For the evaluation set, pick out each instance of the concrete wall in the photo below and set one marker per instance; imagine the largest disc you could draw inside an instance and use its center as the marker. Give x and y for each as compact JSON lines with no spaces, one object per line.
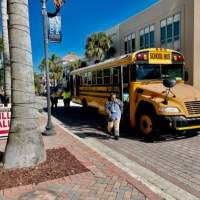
{"x":113,"y":33}
{"x":196,"y":49}
{"x":190,"y":30}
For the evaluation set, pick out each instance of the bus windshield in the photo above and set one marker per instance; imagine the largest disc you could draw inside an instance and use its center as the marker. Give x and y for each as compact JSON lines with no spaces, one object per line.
{"x":158,"y":72}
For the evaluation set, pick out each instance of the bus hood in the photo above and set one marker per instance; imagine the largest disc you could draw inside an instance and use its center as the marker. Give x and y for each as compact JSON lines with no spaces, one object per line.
{"x":183,"y":92}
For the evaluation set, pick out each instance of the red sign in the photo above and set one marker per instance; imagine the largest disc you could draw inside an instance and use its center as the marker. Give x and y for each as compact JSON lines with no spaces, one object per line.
{"x":5,"y":117}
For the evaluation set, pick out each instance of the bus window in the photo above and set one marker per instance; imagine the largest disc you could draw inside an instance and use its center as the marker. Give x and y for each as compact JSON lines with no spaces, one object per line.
{"x":107,"y":77}
{"x":94,"y":78}
{"x":133,"y":73}
{"x":85,"y":79}
{"x":77,"y":84}
{"x":99,"y":77}
{"x":126,"y":83}
{"x":115,"y":75}
{"x":81,"y":80}
{"x":89,"y":78}
{"x":172,"y":71}
{"x":126,"y":74}
{"x":148,"y":72}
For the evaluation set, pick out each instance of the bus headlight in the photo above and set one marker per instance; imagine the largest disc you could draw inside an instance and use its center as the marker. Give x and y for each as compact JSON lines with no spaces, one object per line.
{"x":170,"y":110}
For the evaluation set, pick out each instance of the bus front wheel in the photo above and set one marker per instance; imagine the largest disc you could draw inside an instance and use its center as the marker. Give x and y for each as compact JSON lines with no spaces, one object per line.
{"x":146,"y":124}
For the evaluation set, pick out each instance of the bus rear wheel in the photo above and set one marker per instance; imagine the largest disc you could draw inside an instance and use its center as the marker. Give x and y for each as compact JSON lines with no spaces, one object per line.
{"x":146,"y":125}
{"x":84,"y":104}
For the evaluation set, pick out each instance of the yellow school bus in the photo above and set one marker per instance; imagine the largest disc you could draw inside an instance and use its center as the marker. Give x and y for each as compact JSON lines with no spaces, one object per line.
{"x":150,"y":82}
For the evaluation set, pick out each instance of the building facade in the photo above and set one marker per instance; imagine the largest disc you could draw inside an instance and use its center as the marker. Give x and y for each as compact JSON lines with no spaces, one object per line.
{"x":169,"y":24}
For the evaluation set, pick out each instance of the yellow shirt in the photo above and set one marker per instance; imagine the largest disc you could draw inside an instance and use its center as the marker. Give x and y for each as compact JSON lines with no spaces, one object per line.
{"x":66,"y":95}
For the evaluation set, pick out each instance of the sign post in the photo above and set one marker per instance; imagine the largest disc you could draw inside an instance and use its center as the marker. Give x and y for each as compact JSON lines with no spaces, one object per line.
{"x":49,"y":127}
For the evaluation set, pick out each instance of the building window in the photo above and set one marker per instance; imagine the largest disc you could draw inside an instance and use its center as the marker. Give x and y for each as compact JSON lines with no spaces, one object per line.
{"x":147,"y":37}
{"x":126,"y":45}
{"x":163,"y":32}
{"x":176,"y":27}
{"x":129,"y":43}
{"x":169,"y":29}
{"x":142,"y":39}
{"x":152,"y":36}
{"x":133,"y":42}
{"x":170,"y":32}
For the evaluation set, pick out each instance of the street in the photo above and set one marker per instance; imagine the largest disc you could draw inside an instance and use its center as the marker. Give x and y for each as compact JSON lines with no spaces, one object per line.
{"x":176,"y":159}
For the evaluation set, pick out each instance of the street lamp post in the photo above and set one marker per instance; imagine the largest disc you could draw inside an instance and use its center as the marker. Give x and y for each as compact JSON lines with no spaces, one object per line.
{"x":49,"y":127}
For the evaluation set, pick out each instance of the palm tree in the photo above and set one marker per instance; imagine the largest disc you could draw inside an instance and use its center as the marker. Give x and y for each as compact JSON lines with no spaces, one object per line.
{"x":42,"y":65}
{"x":25,"y":146}
{"x":6,"y":51}
{"x":37,"y":81}
{"x":97,"y":46}
{"x":77,"y":64}
{"x":55,"y":69}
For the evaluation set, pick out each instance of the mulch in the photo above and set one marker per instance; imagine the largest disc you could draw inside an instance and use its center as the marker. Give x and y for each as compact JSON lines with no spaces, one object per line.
{"x":59,"y":163}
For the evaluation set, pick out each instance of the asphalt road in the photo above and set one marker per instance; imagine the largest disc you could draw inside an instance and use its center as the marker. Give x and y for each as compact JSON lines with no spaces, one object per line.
{"x":175,"y":158}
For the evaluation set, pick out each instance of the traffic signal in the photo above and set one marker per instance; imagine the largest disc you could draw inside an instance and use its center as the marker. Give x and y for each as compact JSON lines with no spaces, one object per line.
{"x":58,"y":3}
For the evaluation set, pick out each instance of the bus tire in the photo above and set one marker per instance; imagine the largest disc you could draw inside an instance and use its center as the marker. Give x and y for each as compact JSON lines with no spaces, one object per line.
{"x":146,"y":123}
{"x":84,"y":104}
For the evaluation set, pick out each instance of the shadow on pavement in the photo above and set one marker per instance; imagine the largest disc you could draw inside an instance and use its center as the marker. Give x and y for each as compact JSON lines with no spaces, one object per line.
{"x":88,"y":123}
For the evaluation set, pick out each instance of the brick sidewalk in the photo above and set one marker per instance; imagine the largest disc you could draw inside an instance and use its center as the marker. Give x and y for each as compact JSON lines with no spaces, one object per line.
{"x":104,"y":181}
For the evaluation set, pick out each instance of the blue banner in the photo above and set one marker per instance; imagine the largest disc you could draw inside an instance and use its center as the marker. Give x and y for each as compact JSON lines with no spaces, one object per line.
{"x":54,"y":29}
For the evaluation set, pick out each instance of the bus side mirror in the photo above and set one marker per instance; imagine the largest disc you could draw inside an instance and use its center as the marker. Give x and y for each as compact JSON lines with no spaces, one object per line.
{"x":186,"y":76}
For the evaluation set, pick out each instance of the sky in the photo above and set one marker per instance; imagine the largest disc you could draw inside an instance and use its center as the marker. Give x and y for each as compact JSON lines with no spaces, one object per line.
{"x":79,"y":19}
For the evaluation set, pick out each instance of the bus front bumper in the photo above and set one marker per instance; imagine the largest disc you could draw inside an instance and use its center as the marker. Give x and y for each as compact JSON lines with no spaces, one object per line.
{"x":180,"y":123}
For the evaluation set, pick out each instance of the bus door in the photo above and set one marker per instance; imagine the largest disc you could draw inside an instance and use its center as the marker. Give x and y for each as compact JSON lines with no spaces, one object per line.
{"x":125,"y":78}
{"x":116,"y":81}
{"x":74,"y":85}
{"x":120,"y":79}
{"x":78,"y":83}
{"x":126,"y":84}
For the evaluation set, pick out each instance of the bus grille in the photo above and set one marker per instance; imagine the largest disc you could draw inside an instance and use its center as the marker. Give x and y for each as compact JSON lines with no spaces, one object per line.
{"x":193,"y":107}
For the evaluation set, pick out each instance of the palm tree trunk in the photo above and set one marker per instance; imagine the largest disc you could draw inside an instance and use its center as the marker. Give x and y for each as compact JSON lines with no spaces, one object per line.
{"x":25,"y":146}
{"x":6,"y":52}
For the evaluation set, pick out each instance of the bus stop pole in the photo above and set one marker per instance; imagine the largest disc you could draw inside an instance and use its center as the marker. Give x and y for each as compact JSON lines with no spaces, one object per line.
{"x":49,"y":127}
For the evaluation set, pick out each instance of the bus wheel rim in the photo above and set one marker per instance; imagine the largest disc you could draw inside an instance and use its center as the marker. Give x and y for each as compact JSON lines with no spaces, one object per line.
{"x":146,"y":124}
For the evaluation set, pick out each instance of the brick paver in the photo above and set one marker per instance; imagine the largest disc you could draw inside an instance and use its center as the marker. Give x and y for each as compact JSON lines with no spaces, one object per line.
{"x":175,"y":159}
{"x":103,"y":181}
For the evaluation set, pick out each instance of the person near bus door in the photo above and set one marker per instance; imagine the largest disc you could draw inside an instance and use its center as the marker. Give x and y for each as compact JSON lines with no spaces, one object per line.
{"x":66,"y":97}
{"x":54,"y":99}
{"x":114,"y":109}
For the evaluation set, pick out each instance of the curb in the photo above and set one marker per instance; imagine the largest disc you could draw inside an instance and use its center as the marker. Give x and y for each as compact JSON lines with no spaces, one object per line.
{"x":136,"y":183}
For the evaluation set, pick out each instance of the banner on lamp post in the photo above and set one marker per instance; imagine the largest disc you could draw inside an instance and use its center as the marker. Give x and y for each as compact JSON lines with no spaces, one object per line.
{"x":54,"y":29}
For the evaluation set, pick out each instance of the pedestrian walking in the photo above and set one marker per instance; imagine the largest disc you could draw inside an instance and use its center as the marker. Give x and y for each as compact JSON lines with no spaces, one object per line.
{"x":113,"y":108}
{"x":66,"y":97}
{"x":54,"y":99}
